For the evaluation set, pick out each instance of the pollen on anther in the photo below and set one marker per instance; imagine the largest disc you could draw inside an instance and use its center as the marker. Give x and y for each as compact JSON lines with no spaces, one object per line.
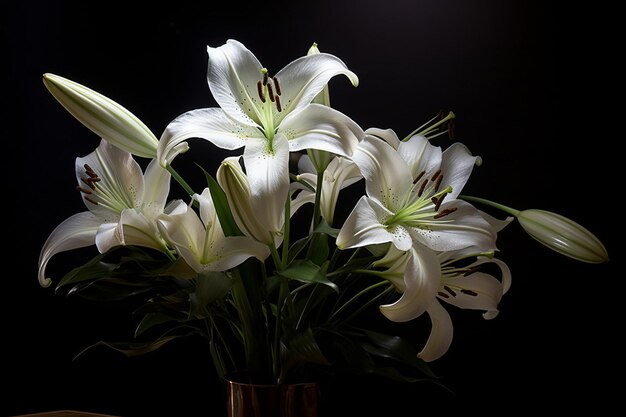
{"x":469,"y":292}
{"x":91,"y":200}
{"x":470,"y":271}
{"x":438,"y":183}
{"x":443,"y":294}
{"x":88,"y":182}
{"x":276,"y":85}
{"x":444,"y":212}
{"x":450,"y":290}
{"x":83,"y":190}
{"x":422,"y":187}
{"x":435,"y":175}
{"x":419,"y":177}
{"x":270,"y":92}
{"x":259,"y":88}
{"x":278,"y":104}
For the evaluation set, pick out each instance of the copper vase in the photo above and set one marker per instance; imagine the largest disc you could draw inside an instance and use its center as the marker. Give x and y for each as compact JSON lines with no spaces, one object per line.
{"x":245,"y":399}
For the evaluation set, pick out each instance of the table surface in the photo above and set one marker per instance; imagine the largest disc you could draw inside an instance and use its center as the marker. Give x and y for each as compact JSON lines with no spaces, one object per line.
{"x":65,"y":413}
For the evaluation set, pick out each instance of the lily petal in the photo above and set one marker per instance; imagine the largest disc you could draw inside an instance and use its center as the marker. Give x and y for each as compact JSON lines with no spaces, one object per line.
{"x":387,"y":175}
{"x":156,"y":189}
{"x":211,"y":124}
{"x":118,"y":185}
{"x":457,"y":164}
{"x":141,"y":231}
{"x":320,"y":127}
{"x":420,"y":155}
{"x":184,"y":230}
{"x":462,"y":228}
{"x":421,"y":280}
{"x":75,"y":232}
{"x":268,"y":176}
{"x":232,"y":251}
{"x":486,"y":292}
{"x":441,"y":333}
{"x":363,"y":227}
{"x":388,"y":135}
{"x":301,"y":80}
{"x":232,"y":76}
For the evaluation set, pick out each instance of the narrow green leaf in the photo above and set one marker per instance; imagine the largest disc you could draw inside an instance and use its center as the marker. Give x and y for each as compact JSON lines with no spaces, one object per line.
{"x":306,"y":271}
{"x":222,"y":208}
{"x":149,"y":321}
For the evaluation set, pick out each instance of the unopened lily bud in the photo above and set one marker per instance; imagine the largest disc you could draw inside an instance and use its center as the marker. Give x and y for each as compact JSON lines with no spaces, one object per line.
{"x":324,"y":96}
{"x":233,"y":180}
{"x":563,"y":235}
{"x":103,"y":116}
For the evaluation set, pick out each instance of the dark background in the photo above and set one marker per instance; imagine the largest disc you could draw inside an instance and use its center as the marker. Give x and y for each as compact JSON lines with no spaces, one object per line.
{"x":527,"y":81}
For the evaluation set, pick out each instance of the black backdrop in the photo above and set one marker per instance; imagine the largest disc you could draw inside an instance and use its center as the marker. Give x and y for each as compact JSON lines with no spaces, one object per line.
{"x":526,"y":80}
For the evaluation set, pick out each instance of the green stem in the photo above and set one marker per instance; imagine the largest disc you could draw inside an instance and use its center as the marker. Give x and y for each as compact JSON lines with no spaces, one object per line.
{"x":286,"y":231}
{"x":490,"y":203}
{"x":356,"y":297}
{"x":318,"y":198}
{"x":366,"y":305}
{"x":180,"y":180}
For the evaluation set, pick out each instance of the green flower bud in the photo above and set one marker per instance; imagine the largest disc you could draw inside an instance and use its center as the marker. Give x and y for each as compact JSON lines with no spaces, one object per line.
{"x":103,"y":116}
{"x":563,"y":235}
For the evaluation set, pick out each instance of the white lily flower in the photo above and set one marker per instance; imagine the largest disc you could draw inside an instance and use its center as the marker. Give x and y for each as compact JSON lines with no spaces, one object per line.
{"x":103,"y":116}
{"x":200,"y":240}
{"x":265,"y":114}
{"x":339,"y":174}
{"x":123,"y":204}
{"x":466,"y":287}
{"x":412,"y":197}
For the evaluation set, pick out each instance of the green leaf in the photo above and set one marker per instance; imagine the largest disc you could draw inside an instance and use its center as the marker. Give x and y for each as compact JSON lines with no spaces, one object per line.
{"x":298,"y":349}
{"x":395,"y":348}
{"x":318,"y":249}
{"x":325,"y":229}
{"x":93,"y":269}
{"x":306,"y":271}
{"x":359,"y":361}
{"x":132,"y":349}
{"x":297,"y":247}
{"x":150,"y":320}
{"x":210,"y":286}
{"x":222,"y":208}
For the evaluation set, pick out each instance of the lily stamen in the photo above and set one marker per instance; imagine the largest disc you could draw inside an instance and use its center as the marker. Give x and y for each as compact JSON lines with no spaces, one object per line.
{"x":470,"y":271}
{"x":270,"y":92}
{"x":419,"y":177}
{"x":83,"y":190}
{"x":444,"y":212}
{"x":469,"y":292}
{"x":278,"y":107}
{"x":88,"y":182}
{"x":276,"y":85}
{"x":450,"y":290}
{"x":422,"y":187}
{"x":435,"y":176}
{"x":438,"y":183}
{"x":91,"y":200}
{"x":259,"y":88}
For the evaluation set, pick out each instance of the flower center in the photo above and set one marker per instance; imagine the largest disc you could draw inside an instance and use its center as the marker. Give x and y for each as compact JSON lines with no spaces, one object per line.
{"x":446,"y":289}
{"x":422,"y":203}
{"x":98,"y":193}
{"x":269,"y":93}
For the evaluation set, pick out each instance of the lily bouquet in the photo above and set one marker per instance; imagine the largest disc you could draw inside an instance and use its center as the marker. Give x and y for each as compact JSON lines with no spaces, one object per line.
{"x":260,"y":261}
